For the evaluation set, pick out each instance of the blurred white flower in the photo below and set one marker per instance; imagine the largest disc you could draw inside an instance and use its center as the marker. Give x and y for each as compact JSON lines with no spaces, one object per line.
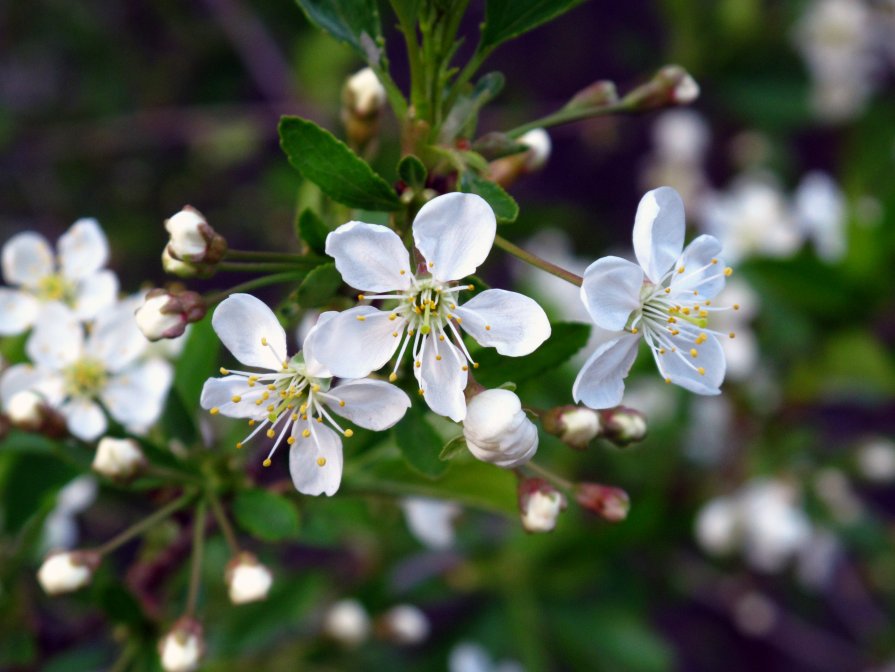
{"x":741,"y":353}
{"x":291,"y":396}
{"x":431,"y":520}
{"x":717,"y":526}
{"x":73,"y":371}
{"x":471,"y":657}
{"x":347,"y":622}
{"x":454,"y":234}
{"x":680,"y":141}
{"x":182,"y":648}
{"x":406,"y":625}
{"x":817,"y":559}
{"x":834,"y":490}
{"x":247,"y":579}
{"x":498,"y":431}
{"x":876,"y":460}
{"x":119,"y":459}
{"x":820,"y":209}
{"x":61,"y":526}
{"x":73,"y":277}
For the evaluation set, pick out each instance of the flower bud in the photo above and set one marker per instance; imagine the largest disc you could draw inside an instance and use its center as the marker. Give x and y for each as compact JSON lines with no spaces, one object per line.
{"x":247,"y":579}
{"x":192,"y":239}
{"x":610,"y":503}
{"x":623,"y":426}
{"x":539,"y":505}
{"x":118,"y":459}
{"x":180,"y":268}
{"x":599,"y":94}
{"x":405,"y":624}
{"x":505,"y":171}
{"x":347,"y":622}
{"x":539,"y":146}
{"x":25,"y":410}
{"x":363,"y":98}
{"x":166,"y":315}
{"x":497,"y":429}
{"x":672,"y":85}
{"x":65,"y":572}
{"x":576,"y":426}
{"x":183,"y":647}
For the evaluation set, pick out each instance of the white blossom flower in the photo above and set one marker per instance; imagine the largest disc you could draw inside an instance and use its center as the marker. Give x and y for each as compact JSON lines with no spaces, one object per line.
{"x":820,"y":208}
{"x":665,"y":301}
{"x":74,"y":371}
{"x":498,"y":431}
{"x":73,"y":276}
{"x":406,"y":624}
{"x":292,"y":398}
{"x":247,"y":579}
{"x":431,"y":520}
{"x":67,"y":571}
{"x":182,"y":648}
{"x":60,"y":529}
{"x":118,"y":458}
{"x":347,"y":622}
{"x":454,"y":234}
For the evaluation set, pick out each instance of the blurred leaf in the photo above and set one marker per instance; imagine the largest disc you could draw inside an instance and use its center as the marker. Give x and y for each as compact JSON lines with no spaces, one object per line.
{"x":29,"y":487}
{"x":331,"y":165}
{"x":27,"y":442}
{"x":413,"y":172}
{"x":497,"y":145}
{"x":355,"y":22}
{"x":505,"y":207}
{"x":419,"y":443}
{"x":89,"y":657}
{"x":453,"y":448}
{"x":19,"y":648}
{"x":319,"y":286}
{"x":506,"y":19}
{"x":197,"y":362}
{"x":313,"y":231}
{"x":567,"y":338}
{"x":266,"y":515}
{"x":463,"y":118}
{"x":119,"y":604}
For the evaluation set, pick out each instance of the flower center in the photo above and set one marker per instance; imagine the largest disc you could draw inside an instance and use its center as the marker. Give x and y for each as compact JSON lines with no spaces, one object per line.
{"x":54,"y":287}
{"x":85,"y":378}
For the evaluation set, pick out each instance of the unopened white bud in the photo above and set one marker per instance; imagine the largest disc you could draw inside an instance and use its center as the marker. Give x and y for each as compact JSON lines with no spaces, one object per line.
{"x":579,"y":426}
{"x":347,"y":622}
{"x":182,"y":648}
{"x":26,"y":410}
{"x":247,"y":579}
{"x":189,"y":234}
{"x":498,"y":431}
{"x":66,"y":572}
{"x":686,"y":91}
{"x":120,"y":459}
{"x":153,"y":322}
{"x":406,"y":624}
{"x":539,"y":147}
{"x":364,"y":93}
{"x":541,"y":509}
{"x":177,"y":267}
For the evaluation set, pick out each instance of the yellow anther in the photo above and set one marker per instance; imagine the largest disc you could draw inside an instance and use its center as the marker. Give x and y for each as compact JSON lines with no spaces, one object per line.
{"x":736,"y":306}
{"x":675,"y":332}
{"x":437,"y":358}
{"x":271,"y":387}
{"x":290,"y":440}
{"x":271,"y":433}
{"x":459,"y":320}
{"x":732,"y":335}
{"x":422,"y":391}
{"x":251,"y":423}
{"x":672,"y":320}
{"x":475,"y":365}
{"x":293,"y":417}
{"x":393,"y":317}
{"x":681,"y":269}
{"x":661,"y":351}
{"x":215,"y":410}
{"x":668,"y":290}
{"x":694,"y":352}
{"x":431,"y":264}
{"x":321,"y":461}
{"x":635,"y":330}
{"x":728,"y":271}
{"x":714,"y":261}
{"x":341,"y":403}
{"x":701,"y":371}
{"x":304,"y":417}
{"x":703,"y":313}
{"x":685,"y":310}
{"x":487,"y":327}
{"x":263,"y":340}
{"x":349,"y":433}
{"x":224,"y":372}
{"x":302,"y":408}
{"x":239,"y":444}
{"x":418,"y":364}
{"x":695,"y":292}
{"x":708,"y":303}
{"x":265,"y":396}
{"x":402,"y":272}
{"x":235,"y":398}
{"x":253,"y":380}
{"x":471,"y":288}
{"x":668,"y":380}
{"x":361,"y":318}
{"x":395,"y":334}
{"x":393,"y":377}
{"x":315,"y":388}
{"x":360,"y":297}
{"x":464,"y":368}
{"x":270,"y":408}
{"x":701,"y":339}
{"x":266,"y":462}
{"x":441,"y":337}
{"x":319,"y":418}
{"x":306,"y":433}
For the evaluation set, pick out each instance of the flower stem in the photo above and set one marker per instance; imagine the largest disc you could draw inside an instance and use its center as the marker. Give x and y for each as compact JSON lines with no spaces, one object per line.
{"x":550,"y":476}
{"x":565,"y":116}
{"x":196,"y":566}
{"x":260,"y":266}
{"x":251,"y":255}
{"x":146,"y":523}
{"x":223,"y":523}
{"x":274,"y":279}
{"x":535,"y":260}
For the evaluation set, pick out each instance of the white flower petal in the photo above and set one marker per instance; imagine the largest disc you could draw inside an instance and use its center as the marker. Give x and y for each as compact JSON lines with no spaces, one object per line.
{"x":455,"y":233}
{"x":315,"y":462}
{"x":443,"y":380}
{"x":85,"y":419}
{"x":313,"y":367}
{"x":83,"y":249}
{"x":94,"y":293}
{"x":26,"y":259}
{"x":370,"y":257}
{"x":611,"y":291}
{"x":700,"y":274}
{"x":683,"y":369}
{"x":17,"y":311}
{"x":512,"y":323}
{"x":115,"y":339}
{"x":352,"y":348}
{"x":243,"y":323}
{"x":600,"y":383}
{"x":136,"y":397}
{"x":57,"y":339}
{"x":22,"y":377}
{"x":219,"y":393}
{"x":659,"y":231}
{"x":372,"y":404}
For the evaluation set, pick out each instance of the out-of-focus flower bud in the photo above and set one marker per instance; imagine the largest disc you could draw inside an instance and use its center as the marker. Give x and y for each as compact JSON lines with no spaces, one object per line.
{"x":576,"y":426}
{"x":192,"y":238}
{"x":118,"y":459}
{"x":672,"y":85}
{"x":505,"y":171}
{"x":183,"y":647}
{"x":67,"y":571}
{"x":166,"y":315}
{"x":247,"y":579}
{"x":405,"y":624}
{"x":347,"y":622}
{"x":497,"y":429}
{"x":599,"y":94}
{"x":539,"y":505}
{"x":718,"y":526}
{"x":26,"y":410}
{"x":363,"y":98}
{"x":876,"y":460}
{"x":623,"y":426}
{"x":610,"y":503}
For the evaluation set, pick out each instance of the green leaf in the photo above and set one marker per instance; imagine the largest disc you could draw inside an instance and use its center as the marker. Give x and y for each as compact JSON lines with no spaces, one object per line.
{"x":567,"y":339}
{"x":354,"y":22}
{"x":453,"y":448}
{"x":197,"y":362}
{"x":313,"y":230}
{"x":506,"y":19}
{"x":505,"y":207}
{"x":413,"y":172}
{"x":319,"y":287}
{"x":266,"y":515}
{"x":331,"y":165}
{"x":419,"y":443}
{"x":463,"y":118}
